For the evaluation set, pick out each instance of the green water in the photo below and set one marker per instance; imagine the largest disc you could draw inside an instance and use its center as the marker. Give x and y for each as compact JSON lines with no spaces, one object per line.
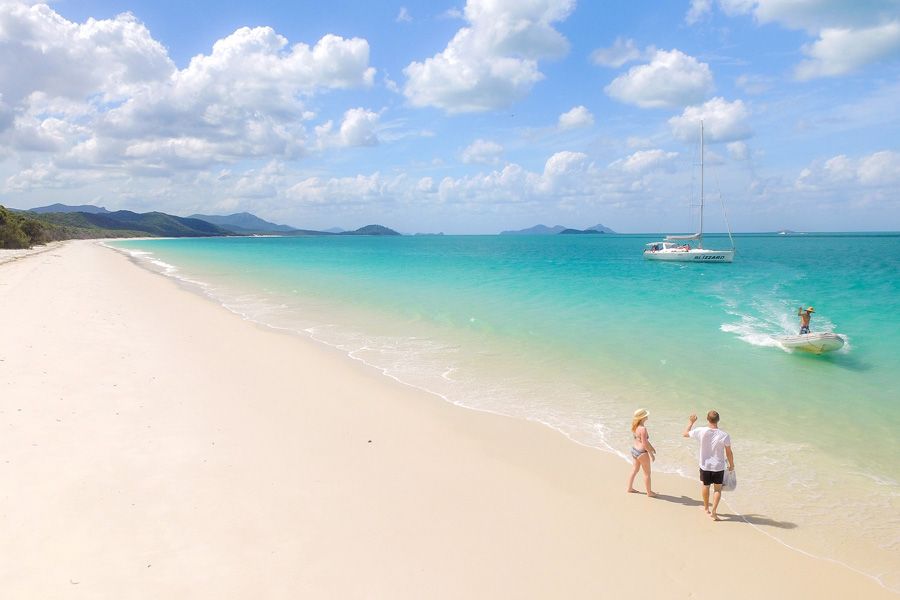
{"x":579,"y":331}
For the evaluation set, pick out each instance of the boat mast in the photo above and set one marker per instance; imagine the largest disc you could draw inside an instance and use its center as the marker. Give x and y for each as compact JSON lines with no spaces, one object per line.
{"x":700,"y":244}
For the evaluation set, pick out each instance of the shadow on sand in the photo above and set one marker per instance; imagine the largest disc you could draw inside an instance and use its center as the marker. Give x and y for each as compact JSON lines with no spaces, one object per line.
{"x":760,"y":520}
{"x":683,"y":500}
{"x":753,"y":519}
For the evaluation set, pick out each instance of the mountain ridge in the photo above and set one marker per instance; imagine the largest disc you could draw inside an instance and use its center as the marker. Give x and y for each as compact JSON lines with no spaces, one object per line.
{"x":244,"y":222}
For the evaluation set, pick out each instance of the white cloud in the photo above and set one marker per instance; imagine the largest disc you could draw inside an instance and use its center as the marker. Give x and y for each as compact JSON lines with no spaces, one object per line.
{"x":492,"y":62}
{"x":698,"y":10}
{"x":260,"y":183}
{"x":622,"y":51}
{"x":842,"y":51}
{"x":359,"y":189}
{"x":880,"y":168}
{"x":814,"y":15}
{"x":250,"y":75}
{"x":578,"y":116}
{"x":567,"y":174}
{"x":46,"y":175}
{"x":723,"y":121}
{"x":426,"y":185}
{"x":877,"y":170}
{"x":850,"y":35}
{"x":644,"y":160}
{"x":403,"y":16}
{"x":737,"y":7}
{"x":42,"y":52}
{"x":566,"y":177}
{"x":359,"y":127}
{"x":671,"y":79}
{"x":738,"y":150}
{"x":482,"y":151}
{"x":840,"y":168}
{"x":104,"y":95}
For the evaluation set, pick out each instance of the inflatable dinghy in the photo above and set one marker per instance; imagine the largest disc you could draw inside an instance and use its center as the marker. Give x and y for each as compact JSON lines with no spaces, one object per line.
{"x":817,"y":343}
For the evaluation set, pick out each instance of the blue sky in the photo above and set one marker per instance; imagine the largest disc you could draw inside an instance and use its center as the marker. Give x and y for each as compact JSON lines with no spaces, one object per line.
{"x":464,"y":118}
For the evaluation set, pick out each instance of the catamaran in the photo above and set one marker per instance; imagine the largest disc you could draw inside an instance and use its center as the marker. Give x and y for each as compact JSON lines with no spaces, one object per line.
{"x":678,"y":248}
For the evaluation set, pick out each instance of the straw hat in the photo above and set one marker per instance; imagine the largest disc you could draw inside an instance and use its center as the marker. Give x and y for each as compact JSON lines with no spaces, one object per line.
{"x":810,"y":309}
{"x":641,"y":413}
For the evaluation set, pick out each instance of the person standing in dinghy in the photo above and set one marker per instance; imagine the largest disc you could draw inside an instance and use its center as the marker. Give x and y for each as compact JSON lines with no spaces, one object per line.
{"x":804,"y":319}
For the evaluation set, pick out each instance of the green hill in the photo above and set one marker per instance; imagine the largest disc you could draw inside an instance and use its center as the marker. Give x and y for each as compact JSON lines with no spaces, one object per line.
{"x":152,"y":223}
{"x":21,"y":229}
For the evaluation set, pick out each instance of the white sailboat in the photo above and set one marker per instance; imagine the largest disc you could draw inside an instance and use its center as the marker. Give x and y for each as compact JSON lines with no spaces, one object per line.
{"x":677,"y":248}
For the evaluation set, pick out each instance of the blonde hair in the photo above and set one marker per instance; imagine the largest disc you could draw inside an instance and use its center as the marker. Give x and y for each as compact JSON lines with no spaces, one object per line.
{"x":640,"y":415}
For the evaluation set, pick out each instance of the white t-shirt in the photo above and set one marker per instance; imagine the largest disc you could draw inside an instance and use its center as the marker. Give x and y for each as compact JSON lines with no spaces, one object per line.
{"x":712,"y":447}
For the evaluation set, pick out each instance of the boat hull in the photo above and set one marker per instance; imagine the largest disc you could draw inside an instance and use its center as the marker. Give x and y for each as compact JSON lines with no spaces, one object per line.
{"x":694,"y":255}
{"x":816,"y":343}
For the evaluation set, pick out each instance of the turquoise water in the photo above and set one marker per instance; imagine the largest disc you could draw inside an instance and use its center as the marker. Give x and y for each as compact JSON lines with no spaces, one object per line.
{"x":579,"y":331}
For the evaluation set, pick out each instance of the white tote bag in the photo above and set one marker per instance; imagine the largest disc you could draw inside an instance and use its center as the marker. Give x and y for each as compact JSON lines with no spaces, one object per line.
{"x":729,"y":484}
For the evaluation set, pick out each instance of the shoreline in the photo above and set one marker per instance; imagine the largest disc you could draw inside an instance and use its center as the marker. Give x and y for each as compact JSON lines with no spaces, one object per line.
{"x":525,"y":494}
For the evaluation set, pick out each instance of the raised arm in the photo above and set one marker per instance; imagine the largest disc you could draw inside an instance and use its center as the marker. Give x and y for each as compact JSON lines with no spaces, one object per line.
{"x":687,"y":430}
{"x":730,"y":456}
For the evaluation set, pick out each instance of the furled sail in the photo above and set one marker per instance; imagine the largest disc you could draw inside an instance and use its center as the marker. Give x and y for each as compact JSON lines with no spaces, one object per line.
{"x":673,"y":238}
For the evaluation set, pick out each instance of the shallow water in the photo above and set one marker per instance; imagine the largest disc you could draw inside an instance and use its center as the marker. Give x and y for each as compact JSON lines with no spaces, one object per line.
{"x":579,"y":331}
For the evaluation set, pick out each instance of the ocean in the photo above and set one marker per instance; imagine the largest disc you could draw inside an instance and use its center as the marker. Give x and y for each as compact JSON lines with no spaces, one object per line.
{"x":577,"y":332}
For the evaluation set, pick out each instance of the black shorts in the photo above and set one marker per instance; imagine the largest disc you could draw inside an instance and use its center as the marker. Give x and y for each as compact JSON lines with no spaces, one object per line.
{"x":708,"y":477}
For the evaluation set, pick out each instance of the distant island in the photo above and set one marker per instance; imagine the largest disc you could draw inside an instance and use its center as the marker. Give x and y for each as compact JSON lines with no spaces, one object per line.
{"x":557,"y":229}
{"x":579,"y":231}
{"x":25,"y":228}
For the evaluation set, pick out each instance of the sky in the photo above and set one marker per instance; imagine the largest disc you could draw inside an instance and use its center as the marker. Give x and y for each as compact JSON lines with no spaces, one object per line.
{"x":469,"y":117}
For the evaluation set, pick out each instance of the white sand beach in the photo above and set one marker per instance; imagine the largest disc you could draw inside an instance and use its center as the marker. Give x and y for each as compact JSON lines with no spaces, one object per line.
{"x":155,"y":445}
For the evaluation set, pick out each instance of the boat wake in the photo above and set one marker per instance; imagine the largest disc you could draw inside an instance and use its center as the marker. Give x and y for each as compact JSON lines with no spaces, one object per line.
{"x":766,"y":323}
{"x":747,"y":332}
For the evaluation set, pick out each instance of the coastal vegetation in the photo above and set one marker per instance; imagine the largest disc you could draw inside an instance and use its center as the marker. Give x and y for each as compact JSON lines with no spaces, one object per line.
{"x":20,"y":229}
{"x":24,"y":229}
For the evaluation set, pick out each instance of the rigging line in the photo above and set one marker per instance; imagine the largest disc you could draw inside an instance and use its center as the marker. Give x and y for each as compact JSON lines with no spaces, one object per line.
{"x":724,"y":212}
{"x":693,"y":201}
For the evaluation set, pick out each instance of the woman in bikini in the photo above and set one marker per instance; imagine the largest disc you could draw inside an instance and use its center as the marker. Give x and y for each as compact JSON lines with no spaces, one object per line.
{"x":642,"y":451}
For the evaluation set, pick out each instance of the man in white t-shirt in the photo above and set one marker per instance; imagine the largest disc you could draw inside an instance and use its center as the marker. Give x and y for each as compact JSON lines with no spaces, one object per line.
{"x":715,"y":446}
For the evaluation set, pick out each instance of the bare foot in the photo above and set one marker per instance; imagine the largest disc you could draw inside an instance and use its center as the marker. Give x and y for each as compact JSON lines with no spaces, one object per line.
{"x":706,"y":509}
{"x":632,"y":491}
{"x":652,"y":494}
{"x":715,"y":517}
